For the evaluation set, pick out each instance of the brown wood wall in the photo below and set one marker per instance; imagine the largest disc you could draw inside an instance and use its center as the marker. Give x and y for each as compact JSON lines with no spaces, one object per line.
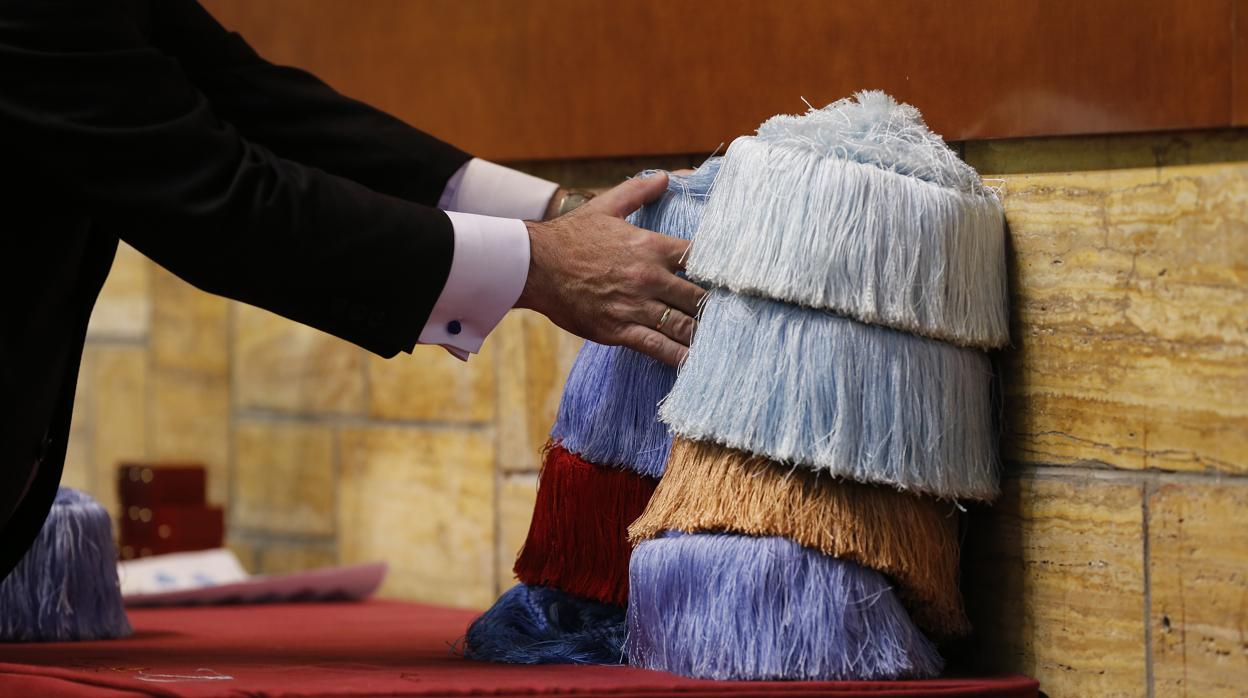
{"x":547,"y":79}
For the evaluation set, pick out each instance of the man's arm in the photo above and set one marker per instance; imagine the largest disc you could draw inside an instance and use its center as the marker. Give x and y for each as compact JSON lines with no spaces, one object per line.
{"x":296,"y":115}
{"x":90,"y":107}
{"x":299,"y":117}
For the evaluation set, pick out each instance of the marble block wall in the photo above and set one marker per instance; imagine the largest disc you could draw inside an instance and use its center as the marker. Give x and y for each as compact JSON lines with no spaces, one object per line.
{"x":1115,"y":564}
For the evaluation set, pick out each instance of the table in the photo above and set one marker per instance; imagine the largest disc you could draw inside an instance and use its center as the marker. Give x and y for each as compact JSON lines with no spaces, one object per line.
{"x":356,"y":649}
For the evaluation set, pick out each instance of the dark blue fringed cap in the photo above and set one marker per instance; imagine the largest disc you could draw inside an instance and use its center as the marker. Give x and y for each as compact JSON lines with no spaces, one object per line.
{"x":542,"y":625}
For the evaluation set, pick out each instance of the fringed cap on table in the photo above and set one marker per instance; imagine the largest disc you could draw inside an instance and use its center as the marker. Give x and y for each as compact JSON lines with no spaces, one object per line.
{"x":860,"y":209}
{"x":913,"y":540}
{"x":815,"y":390}
{"x":66,"y":586}
{"x":541,"y":625}
{"x":721,"y":606}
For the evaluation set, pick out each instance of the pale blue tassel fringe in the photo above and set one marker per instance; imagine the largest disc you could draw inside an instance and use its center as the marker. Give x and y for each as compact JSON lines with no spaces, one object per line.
{"x":66,"y":587}
{"x":820,"y":391}
{"x":608,"y":414}
{"x":860,"y":209}
{"x":719,"y":606}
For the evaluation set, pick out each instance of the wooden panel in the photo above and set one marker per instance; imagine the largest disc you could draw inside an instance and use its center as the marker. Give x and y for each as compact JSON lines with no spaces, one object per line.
{"x":1130,"y":339}
{"x":574,"y":78}
{"x":1054,"y":585}
{"x":1239,"y":71}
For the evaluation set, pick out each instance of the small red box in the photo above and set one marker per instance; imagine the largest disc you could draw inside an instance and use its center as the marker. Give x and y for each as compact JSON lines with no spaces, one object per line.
{"x":160,"y":485}
{"x":171,"y":529}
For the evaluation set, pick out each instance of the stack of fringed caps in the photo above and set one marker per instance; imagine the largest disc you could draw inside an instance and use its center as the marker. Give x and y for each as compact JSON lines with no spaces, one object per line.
{"x":606,"y":452}
{"x":835,"y":403}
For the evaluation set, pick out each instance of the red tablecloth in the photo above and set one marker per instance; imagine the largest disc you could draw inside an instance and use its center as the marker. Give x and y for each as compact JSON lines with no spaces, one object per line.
{"x":375,"y":648}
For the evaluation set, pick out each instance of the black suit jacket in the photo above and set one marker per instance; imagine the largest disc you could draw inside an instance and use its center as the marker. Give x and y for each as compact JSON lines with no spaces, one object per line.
{"x":148,"y":122}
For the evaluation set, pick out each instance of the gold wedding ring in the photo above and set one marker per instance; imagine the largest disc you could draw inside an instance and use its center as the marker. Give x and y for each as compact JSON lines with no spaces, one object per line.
{"x":663,"y":320}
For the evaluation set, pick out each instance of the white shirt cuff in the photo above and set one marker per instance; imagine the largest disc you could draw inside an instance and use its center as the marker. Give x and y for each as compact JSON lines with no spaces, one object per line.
{"x":488,"y":271}
{"x":487,"y":189}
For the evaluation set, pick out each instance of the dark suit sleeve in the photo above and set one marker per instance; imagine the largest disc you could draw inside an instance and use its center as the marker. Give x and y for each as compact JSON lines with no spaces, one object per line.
{"x":296,"y":115}
{"x":88,"y":106}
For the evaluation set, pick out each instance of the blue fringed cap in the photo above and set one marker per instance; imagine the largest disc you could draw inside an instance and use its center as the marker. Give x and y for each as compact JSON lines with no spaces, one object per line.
{"x":808,"y":388}
{"x":66,"y":587}
{"x":720,"y":606}
{"x":860,"y":209}
{"x":609,"y":411}
{"x":542,"y":625}
{"x":679,"y":210}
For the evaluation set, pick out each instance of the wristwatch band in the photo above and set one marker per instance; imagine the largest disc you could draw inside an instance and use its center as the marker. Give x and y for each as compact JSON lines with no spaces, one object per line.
{"x":572,"y":198}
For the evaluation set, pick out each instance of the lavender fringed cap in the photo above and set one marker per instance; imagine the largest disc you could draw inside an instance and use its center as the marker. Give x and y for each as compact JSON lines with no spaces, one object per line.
{"x":66,"y":586}
{"x":608,"y":414}
{"x":718,"y":606}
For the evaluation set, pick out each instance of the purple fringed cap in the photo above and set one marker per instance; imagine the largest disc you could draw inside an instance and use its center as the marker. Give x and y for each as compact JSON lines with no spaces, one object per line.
{"x":66,"y":587}
{"x":609,"y":410}
{"x":719,"y":606}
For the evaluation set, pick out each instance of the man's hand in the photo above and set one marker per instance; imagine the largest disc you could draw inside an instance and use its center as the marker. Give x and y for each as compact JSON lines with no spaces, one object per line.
{"x":610,"y":282}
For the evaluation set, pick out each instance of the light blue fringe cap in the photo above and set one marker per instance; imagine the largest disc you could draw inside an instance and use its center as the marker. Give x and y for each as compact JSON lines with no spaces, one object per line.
{"x":608,"y":414}
{"x":719,"y":606}
{"x":816,"y":390}
{"x":543,"y":625}
{"x":66,"y":587}
{"x":858,"y":208}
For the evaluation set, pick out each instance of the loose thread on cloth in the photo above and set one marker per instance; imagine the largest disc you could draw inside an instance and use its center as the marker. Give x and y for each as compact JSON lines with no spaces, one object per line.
{"x":720,"y":606}
{"x":541,"y":625}
{"x":860,"y":209}
{"x":578,"y":538}
{"x":66,"y":586}
{"x":912,"y":539}
{"x":828,"y":393}
{"x":609,"y":411}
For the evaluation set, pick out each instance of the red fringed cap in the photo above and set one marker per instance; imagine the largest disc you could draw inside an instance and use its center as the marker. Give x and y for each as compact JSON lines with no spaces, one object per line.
{"x":578,"y":540}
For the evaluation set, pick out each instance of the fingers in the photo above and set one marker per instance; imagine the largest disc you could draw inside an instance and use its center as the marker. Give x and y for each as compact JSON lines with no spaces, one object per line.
{"x":674,"y":251}
{"x":631,"y":195}
{"x":681,"y":294}
{"x":678,"y":325}
{"x":654,"y":344}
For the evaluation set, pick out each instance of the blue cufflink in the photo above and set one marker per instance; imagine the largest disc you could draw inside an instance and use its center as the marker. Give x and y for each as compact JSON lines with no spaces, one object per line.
{"x":454,"y":327}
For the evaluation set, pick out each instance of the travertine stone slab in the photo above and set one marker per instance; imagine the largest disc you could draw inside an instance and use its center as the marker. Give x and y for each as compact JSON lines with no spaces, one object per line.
{"x":431,"y":385}
{"x":1198,"y":549}
{"x":118,"y":415}
{"x":516,"y":498}
{"x":190,"y":328}
{"x":285,"y":477}
{"x":124,"y":308}
{"x":535,"y":357}
{"x":423,"y":500}
{"x":1130,"y":290}
{"x":283,"y":366}
{"x":189,"y":421}
{"x":1054,"y":584}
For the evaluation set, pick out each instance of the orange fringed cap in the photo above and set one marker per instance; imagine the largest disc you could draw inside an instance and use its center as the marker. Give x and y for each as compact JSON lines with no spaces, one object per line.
{"x":913,"y":539}
{"x":578,"y":539}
